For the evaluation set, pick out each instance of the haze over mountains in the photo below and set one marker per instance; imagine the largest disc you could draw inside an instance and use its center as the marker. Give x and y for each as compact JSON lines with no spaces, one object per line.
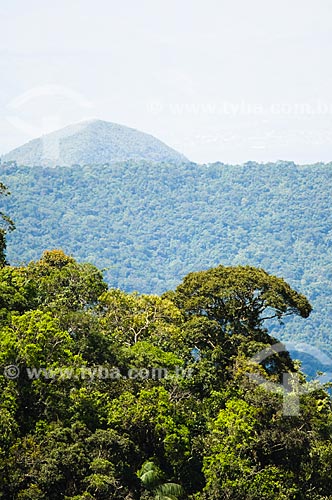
{"x":92,"y":142}
{"x":140,"y":210}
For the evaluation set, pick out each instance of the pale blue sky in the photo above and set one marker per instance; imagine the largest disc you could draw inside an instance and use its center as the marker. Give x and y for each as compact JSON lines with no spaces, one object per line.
{"x":233,"y":80}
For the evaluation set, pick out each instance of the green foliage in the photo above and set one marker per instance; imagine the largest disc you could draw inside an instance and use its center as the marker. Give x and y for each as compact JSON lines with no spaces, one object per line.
{"x":17,"y":292}
{"x":64,"y":284}
{"x":131,"y":318}
{"x":6,"y":225}
{"x":69,"y":432}
{"x":238,"y":297}
{"x":152,"y":479}
{"x":151,"y":225}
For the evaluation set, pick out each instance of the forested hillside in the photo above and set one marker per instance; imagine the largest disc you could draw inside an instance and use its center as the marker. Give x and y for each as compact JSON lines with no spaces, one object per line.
{"x":149,"y":224}
{"x":93,"y":141}
{"x":111,"y":395}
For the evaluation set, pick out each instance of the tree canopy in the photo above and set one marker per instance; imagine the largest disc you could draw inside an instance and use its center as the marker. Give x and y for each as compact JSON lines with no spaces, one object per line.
{"x":109,"y":394}
{"x":6,"y":225}
{"x":148,"y":226}
{"x":239,"y":298}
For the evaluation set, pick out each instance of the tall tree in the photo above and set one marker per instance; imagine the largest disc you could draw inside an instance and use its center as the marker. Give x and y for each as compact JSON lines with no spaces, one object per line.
{"x":6,"y":225}
{"x":239,"y":298}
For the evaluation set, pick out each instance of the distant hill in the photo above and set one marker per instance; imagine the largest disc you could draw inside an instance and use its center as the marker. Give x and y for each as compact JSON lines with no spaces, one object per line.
{"x":92,"y":142}
{"x":148,"y":227}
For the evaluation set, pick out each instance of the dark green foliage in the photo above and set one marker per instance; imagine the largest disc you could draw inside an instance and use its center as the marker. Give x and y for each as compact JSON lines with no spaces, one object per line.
{"x":6,"y":225}
{"x":206,"y":432}
{"x":239,"y":298}
{"x":149,"y":225}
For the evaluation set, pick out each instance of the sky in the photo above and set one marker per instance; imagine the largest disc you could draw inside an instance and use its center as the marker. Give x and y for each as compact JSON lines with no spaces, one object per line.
{"x":218,"y":80}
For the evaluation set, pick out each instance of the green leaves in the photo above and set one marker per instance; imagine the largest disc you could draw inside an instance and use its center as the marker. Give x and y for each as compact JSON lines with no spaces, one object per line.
{"x":130,"y":318}
{"x":6,"y":225}
{"x":238,"y":298}
{"x":152,"y":479}
{"x":64,"y":284}
{"x":211,"y":435}
{"x":231,"y":463}
{"x":35,"y":339}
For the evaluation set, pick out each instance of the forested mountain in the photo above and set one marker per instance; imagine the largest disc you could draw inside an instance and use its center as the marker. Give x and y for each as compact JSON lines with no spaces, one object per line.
{"x":108,"y":393}
{"x":92,"y":141}
{"x":102,"y":397}
{"x":148,"y":225}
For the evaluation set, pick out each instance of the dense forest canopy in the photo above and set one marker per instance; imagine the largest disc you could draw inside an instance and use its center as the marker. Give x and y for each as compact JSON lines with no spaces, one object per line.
{"x":6,"y":225}
{"x":104,"y":397}
{"x":150,"y":224}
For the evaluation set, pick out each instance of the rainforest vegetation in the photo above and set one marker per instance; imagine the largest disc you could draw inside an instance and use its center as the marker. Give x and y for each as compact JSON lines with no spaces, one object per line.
{"x":149,"y":224}
{"x":109,"y":394}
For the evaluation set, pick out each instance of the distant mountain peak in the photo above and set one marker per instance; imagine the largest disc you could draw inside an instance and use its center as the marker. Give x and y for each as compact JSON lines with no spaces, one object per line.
{"x":93,"y":142}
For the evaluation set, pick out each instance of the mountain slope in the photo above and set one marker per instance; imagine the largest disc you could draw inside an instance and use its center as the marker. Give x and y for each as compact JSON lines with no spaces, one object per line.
{"x":92,"y":142}
{"x":150,"y":226}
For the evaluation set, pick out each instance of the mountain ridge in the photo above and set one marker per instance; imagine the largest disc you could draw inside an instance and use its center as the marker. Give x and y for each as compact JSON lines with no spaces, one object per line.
{"x":92,"y":142}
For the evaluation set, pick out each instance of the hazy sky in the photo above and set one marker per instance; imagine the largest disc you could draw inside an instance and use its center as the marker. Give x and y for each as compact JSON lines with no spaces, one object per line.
{"x":227,"y":80}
